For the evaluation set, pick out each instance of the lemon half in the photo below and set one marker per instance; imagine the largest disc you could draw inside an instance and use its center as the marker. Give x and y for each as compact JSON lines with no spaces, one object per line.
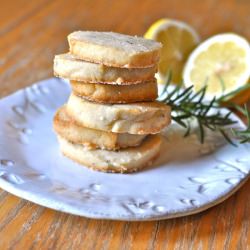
{"x":178,"y":40}
{"x":222,"y":63}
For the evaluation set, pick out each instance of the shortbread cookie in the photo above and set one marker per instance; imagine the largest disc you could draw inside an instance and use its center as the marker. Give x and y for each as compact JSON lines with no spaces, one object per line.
{"x":66,"y":66}
{"x":123,"y":161}
{"x":134,"y":118}
{"x":114,"y":49}
{"x":92,"y":138}
{"x":105,"y":93}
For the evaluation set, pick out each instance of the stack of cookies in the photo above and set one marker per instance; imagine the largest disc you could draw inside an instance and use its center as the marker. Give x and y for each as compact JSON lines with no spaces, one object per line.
{"x":111,"y":120}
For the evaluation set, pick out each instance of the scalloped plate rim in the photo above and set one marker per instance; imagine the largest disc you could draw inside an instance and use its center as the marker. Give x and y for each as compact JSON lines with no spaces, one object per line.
{"x":26,"y":195}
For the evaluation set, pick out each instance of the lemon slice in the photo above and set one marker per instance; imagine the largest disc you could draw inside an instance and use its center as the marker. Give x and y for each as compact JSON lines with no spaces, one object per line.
{"x":222,"y":63}
{"x":178,"y":40}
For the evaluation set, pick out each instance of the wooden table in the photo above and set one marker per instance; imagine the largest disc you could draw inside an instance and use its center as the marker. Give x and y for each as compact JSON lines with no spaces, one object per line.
{"x":31,"y":33}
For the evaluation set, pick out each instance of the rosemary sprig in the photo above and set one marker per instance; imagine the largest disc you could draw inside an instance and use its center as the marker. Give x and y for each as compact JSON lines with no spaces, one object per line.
{"x":243,"y":135}
{"x":186,"y":105}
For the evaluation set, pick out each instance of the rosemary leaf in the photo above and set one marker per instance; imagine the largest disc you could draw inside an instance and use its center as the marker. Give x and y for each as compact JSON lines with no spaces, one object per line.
{"x":225,"y":135}
{"x":186,"y":105}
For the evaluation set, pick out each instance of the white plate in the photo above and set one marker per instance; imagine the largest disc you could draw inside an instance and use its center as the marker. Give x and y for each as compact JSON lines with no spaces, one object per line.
{"x":188,"y":177}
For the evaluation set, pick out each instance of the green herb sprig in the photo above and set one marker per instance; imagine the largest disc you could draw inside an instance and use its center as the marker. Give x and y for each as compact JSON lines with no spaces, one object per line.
{"x":243,"y":135}
{"x":186,"y":105}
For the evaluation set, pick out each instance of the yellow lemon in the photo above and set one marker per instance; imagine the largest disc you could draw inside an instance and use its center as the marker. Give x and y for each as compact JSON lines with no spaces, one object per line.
{"x":222,"y":63}
{"x":178,"y":40}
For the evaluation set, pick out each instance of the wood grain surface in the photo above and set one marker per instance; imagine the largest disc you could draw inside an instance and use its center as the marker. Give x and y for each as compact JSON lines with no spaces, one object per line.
{"x":31,"y":33}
